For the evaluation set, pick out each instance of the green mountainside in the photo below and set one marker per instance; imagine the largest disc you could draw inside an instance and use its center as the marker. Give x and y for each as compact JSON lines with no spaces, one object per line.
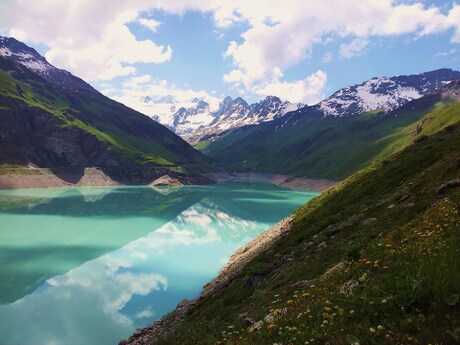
{"x":374,"y":260}
{"x":315,"y":146}
{"x":53,"y":126}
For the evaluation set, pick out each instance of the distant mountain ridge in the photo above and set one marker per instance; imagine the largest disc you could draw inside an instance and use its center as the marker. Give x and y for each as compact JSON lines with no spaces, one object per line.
{"x":52,"y":119}
{"x":309,"y":143}
{"x":385,"y":93}
{"x":200,"y":122}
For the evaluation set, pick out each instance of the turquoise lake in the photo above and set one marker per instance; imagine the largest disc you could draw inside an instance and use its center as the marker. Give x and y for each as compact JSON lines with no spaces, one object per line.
{"x":90,"y":265}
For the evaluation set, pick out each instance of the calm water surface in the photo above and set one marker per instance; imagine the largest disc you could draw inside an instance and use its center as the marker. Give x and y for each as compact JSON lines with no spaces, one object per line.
{"x":90,"y":265}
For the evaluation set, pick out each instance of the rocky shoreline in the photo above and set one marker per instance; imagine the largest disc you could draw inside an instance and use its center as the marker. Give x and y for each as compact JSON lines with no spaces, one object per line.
{"x":33,"y":177}
{"x":316,"y":185}
{"x":239,"y":259}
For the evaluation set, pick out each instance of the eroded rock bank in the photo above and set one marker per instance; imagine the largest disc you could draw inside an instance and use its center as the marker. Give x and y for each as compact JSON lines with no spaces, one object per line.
{"x":317,"y":185}
{"x":33,"y":177}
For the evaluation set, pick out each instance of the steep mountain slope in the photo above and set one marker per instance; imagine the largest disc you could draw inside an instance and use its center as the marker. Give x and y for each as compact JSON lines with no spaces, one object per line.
{"x":51,"y":119}
{"x":199,"y":121}
{"x":307,"y":143}
{"x":374,"y":260}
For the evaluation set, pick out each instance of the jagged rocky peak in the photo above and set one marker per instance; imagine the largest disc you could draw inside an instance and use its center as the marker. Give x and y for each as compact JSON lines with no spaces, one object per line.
{"x":227,"y":100}
{"x":201,"y":105}
{"x":385,"y":93}
{"x":31,"y":59}
{"x":169,"y":99}
{"x":452,"y":89}
{"x":240,"y":100}
{"x":146,"y":99}
{"x":19,"y":52}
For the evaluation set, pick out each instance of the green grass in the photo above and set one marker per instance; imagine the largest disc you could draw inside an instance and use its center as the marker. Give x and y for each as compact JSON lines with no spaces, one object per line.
{"x":405,"y":263}
{"x":325,"y":147}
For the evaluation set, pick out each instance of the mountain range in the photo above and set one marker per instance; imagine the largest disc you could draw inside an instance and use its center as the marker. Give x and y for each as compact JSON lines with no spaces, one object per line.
{"x":373,"y":260}
{"x":199,"y":121}
{"x":52,"y":119}
{"x":316,"y":143}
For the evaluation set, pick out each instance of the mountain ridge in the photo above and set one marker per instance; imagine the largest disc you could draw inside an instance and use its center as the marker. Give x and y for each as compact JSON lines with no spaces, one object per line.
{"x":199,"y":121}
{"x":69,"y":124}
{"x":385,"y":93}
{"x":307,"y":143}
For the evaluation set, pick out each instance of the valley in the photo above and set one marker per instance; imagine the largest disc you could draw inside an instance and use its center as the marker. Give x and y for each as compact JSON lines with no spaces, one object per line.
{"x":203,"y":218}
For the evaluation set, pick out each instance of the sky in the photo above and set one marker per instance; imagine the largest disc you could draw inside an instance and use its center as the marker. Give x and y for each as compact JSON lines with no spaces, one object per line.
{"x":298,"y":50}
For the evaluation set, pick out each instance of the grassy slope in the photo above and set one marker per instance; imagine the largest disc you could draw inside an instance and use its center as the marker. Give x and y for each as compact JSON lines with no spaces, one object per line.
{"x":321,"y":147}
{"x":398,"y":241}
{"x":123,"y":129}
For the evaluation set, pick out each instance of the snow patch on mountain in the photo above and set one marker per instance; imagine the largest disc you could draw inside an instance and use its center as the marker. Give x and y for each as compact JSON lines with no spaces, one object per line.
{"x":384,"y":93}
{"x":199,"y":118}
{"x":31,"y":59}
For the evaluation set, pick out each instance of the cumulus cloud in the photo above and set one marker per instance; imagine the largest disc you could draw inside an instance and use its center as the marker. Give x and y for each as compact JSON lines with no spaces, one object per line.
{"x":299,"y":25}
{"x":309,"y":90}
{"x":89,"y":38}
{"x":150,"y":24}
{"x":152,"y":96}
{"x":279,"y":35}
{"x":354,"y":48}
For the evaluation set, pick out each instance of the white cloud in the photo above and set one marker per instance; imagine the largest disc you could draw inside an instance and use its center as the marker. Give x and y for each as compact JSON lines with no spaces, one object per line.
{"x":446,"y":53}
{"x":453,"y":19}
{"x":309,"y":90}
{"x":354,"y":48}
{"x":92,"y":38}
{"x":302,"y":24}
{"x":136,"y":89}
{"x":89,"y":38}
{"x":150,"y":24}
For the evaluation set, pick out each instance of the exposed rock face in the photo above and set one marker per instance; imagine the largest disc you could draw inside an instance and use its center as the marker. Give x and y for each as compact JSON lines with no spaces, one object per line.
{"x":166,"y":180}
{"x":39,"y":178}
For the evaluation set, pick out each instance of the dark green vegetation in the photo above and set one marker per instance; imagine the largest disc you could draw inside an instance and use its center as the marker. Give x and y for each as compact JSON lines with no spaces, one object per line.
{"x":390,"y":233}
{"x":308,"y":144}
{"x":57,"y":127}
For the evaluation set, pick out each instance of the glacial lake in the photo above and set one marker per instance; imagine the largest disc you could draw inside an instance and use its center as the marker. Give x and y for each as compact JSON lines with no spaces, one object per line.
{"x":90,"y":265}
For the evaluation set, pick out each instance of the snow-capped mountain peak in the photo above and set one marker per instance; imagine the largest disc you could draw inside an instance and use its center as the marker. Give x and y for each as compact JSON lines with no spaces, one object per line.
{"x":198,"y":119}
{"x":31,"y":59}
{"x":384,"y":93}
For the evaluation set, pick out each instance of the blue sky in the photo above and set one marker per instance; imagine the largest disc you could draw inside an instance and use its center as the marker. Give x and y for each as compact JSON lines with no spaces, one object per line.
{"x":198,"y":59}
{"x":298,"y":50}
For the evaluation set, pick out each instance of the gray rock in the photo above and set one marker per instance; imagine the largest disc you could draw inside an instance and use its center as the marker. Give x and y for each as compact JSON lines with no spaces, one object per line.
{"x":368,"y":221}
{"x":252,"y":281}
{"x":350,"y":285}
{"x":448,"y":185}
{"x":322,"y":246}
